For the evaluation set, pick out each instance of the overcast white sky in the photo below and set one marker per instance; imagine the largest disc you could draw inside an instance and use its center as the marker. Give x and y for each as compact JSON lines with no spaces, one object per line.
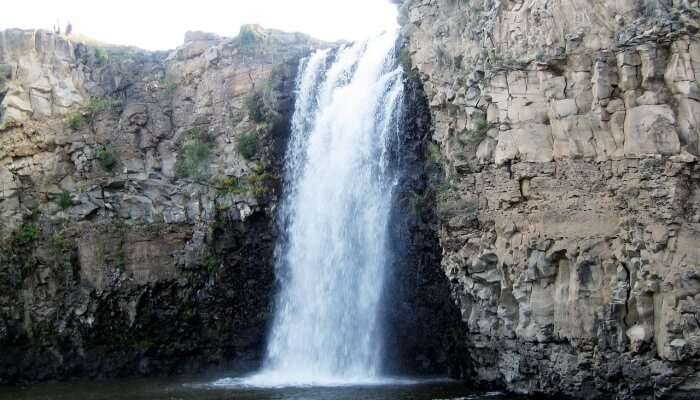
{"x":161,"y":24}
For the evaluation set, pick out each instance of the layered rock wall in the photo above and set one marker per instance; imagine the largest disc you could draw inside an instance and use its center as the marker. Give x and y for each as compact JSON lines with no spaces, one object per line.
{"x":568,"y":132}
{"x":136,"y":201}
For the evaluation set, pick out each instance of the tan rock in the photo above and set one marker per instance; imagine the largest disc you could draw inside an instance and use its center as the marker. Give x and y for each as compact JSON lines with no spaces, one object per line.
{"x":564,"y":108}
{"x":573,"y":137}
{"x":485,"y":151}
{"x":689,"y":123}
{"x":628,"y":78}
{"x":650,"y":130}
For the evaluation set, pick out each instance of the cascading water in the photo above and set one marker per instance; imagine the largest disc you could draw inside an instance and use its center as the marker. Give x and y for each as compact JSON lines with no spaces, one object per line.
{"x":334,"y":214}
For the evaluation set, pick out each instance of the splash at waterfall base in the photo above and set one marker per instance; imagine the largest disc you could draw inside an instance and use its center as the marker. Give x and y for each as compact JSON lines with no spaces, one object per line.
{"x":357,"y":245}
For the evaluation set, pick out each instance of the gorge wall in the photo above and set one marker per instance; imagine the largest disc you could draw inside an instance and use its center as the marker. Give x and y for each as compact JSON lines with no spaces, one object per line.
{"x":569,"y":223}
{"x":136,"y":199}
{"x":138,"y":193}
{"x":551,"y":174}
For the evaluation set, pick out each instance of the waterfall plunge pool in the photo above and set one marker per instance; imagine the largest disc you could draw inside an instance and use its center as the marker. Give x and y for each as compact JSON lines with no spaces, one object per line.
{"x":214,"y":388}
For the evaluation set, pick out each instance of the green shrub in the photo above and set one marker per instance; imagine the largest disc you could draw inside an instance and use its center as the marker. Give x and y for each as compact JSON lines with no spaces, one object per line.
{"x":230,"y":185}
{"x":76,"y":120}
{"x":649,"y":7}
{"x":100,"y":104}
{"x":25,"y":235}
{"x":255,"y":103}
{"x":212,"y":263}
{"x":120,"y":256}
{"x":58,"y":241}
{"x":476,"y":135}
{"x":433,"y":153}
{"x":248,"y":145}
{"x":170,"y":87}
{"x":96,"y":105}
{"x":101,"y":56}
{"x":193,"y":161}
{"x":248,"y":39}
{"x":63,"y":200}
{"x":405,"y":61}
{"x":260,"y":182}
{"x":106,"y":160}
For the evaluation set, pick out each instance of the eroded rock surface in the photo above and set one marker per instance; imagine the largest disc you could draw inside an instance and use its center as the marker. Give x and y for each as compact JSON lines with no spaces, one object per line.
{"x":569,"y":217}
{"x":136,"y":198}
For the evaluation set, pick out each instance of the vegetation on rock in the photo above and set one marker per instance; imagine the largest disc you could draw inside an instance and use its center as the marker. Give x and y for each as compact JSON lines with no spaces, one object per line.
{"x":261,"y":182}
{"x":75,"y":120}
{"x":405,"y":61}
{"x":248,"y":145}
{"x":25,"y":235}
{"x":230,"y":185}
{"x":258,"y":184}
{"x":256,"y":106}
{"x":63,"y":200}
{"x":101,"y":55}
{"x":100,"y":104}
{"x":106,"y":160}
{"x":249,"y":40}
{"x":475,"y":135}
{"x":193,"y":156}
{"x":78,"y":119}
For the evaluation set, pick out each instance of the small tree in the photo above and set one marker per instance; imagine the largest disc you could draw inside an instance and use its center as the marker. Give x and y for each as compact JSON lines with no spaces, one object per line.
{"x":193,"y":161}
{"x":106,"y":160}
{"x":248,"y":145}
{"x":64,"y":201}
{"x":255,"y":103}
{"x":75,"y":120}
{"x":25,"y":235}
{"x":101,"y":55}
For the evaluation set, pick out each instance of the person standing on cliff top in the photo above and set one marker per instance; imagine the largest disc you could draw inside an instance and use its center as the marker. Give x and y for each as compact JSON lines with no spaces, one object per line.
{"x":69,"y":29}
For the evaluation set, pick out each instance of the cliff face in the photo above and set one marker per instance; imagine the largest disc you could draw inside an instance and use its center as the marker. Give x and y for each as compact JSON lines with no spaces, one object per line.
{"x":569,"y":221}
{"x":136,"y":198}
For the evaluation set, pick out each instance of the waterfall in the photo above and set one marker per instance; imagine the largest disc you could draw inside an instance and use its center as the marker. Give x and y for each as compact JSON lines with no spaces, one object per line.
{"x":339,"y":178}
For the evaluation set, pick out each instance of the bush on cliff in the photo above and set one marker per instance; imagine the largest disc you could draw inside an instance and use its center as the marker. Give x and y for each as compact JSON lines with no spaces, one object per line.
{"x":96,"y":105}
{"x":100,"y":104}
{"x":193,"y":158}
{"x":101,"y":56}
{"x":75,"y":120}
{"x":255,"y":103}
{"x":106,"y":160}
{"x":261,"y":182}
{"x":476,"y":135}
{"x":406,"y":64}
{"x":249,"y":41}
{"x":63,"y":200}
{"x":25,"y":235}
{"x":248,"y":145}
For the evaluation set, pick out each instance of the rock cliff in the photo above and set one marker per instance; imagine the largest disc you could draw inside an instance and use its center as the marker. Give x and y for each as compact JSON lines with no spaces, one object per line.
{"x":136,"y":199}
{"x":568,"y":134}
{"x":138,"y":193}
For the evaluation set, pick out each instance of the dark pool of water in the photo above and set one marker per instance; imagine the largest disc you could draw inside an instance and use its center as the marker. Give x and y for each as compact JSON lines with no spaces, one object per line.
{"x":201,"y":389}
